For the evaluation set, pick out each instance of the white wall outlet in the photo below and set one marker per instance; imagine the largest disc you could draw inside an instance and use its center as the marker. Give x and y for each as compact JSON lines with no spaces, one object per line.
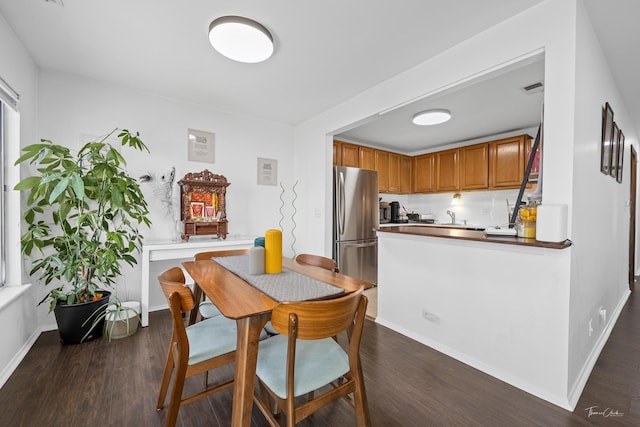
{"x":603,"y":315}
{"x":590,"y":327}
{"x":431,"y":317}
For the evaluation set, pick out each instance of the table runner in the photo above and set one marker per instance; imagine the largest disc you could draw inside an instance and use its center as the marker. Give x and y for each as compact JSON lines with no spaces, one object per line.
{"x":286,"y":286}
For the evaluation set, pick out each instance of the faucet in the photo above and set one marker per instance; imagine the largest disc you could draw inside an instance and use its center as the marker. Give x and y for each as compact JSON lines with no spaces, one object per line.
{"x":452,"y":214}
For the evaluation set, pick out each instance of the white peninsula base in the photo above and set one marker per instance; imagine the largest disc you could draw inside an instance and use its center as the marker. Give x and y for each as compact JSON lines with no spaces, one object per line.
{"x":503,"y":309}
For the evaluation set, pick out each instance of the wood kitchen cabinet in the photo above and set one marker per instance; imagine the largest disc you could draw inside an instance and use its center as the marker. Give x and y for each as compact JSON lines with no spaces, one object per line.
{"x":382,"y":166}
{"x":394,"y":173}
{"x":424,"y":173}
{"x":448,"y":170}
{"x":367,"y":158}
{"x":346,"y":154}
{"x":406,"y":169}
{"x":474,"y":167}
{"x":507,"y":161}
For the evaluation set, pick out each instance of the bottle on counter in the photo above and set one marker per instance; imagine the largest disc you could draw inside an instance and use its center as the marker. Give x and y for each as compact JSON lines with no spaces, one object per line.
{"x":526,"y":221}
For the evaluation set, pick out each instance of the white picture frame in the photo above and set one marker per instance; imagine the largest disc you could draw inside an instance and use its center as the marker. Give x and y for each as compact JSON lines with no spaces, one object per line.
{"x":267,"y":171}
{"x":201,"y":146}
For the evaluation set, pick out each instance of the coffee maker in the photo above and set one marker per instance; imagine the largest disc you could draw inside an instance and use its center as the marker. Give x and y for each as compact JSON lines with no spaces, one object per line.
{"x":395,"y":211}
{"x":385,"y":213}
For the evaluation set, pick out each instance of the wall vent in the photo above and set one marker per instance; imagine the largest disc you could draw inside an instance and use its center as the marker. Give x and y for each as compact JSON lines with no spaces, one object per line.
{"x":533,"y":88}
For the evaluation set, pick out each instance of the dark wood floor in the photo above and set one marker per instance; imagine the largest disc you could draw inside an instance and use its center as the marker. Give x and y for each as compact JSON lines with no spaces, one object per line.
{"x":115,"y":384}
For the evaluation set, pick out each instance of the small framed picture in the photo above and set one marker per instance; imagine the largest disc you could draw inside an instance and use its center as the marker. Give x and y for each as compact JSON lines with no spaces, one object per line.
{"x":620,"y":155}
{"x":197,"y":210}
{"x":606,"y":141}
{"x":201,"y":146}
{"x":613,"y":170}
{"x":267,"y":171}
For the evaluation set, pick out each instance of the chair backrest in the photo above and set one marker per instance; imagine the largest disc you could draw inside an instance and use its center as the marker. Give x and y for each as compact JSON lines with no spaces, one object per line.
{"x":320,"y":319}
{"x":317,"y":261}
{"x":209,"y":254}
{"x":173,"y":281}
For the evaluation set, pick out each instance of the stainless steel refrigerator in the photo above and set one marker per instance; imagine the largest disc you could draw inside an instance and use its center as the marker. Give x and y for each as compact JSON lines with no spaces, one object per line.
{"x":356,"y":213}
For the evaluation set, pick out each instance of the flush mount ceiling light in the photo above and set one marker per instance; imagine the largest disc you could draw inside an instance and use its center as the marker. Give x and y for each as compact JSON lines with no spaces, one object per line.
{"x":241,"y":39}
{"x":431,"y":117}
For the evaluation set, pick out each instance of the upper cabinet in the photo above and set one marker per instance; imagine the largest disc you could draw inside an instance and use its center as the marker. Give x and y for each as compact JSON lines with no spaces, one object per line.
{"x":490,"y":165}
{"x":474,"y":167}
{"x":346,"y":154}
{"x":367,"y":158}
{"x":506,"y":161}
{"x":382,"y":166}
{"x":447,"y":170}
{"x":424,"y":173}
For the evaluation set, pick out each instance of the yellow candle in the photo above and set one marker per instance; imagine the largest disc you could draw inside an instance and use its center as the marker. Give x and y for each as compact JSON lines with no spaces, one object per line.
{"x":273,"y":251}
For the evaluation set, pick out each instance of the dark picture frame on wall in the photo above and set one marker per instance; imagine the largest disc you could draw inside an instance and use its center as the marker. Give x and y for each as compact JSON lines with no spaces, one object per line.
{"x":615,"y":132}
{"x":620,"y":156}
{"x":607,"y":137}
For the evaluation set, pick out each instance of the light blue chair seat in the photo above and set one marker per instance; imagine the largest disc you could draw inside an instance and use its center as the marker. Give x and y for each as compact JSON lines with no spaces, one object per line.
{"x":208,"y":310}
{"x":211,"y":338}
{"x":318,"y":363}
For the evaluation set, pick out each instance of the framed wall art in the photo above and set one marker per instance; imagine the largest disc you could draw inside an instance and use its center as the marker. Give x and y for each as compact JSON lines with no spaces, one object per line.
{"x":613,"y":170}
{"x":607,"y":139}
{"x":267,"y":171}
{"x":201,"y":146}
{"x":620,"y":156}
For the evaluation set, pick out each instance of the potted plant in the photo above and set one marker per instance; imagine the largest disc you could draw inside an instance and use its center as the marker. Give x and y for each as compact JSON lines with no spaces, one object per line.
{"x":83,"y":213}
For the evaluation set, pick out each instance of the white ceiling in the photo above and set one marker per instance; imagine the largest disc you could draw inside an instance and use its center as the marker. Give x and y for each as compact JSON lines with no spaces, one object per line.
{"x":326,"y":51}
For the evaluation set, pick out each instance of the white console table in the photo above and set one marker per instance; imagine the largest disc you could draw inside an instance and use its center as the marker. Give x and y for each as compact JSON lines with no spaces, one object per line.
{"x":158,"y":251}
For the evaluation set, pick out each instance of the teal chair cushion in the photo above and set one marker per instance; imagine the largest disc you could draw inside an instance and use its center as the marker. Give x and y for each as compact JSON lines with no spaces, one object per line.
{"x":318,"y":362}
{"x":209,"y":310}
{"x":210,"y":338}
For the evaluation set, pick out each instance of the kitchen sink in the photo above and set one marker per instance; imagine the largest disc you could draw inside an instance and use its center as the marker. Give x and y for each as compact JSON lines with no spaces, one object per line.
{"x":457,"y":225}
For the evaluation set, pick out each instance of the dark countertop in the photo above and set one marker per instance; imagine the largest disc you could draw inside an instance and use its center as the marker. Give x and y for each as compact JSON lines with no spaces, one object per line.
{"x":473,"y":235}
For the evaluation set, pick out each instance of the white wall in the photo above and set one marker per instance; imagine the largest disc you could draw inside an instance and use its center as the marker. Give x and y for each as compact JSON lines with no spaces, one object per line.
{"x":600,"y":215}
{"x":572,"y":128}
{"x":73,"y":108}
{"x":17,"y":302}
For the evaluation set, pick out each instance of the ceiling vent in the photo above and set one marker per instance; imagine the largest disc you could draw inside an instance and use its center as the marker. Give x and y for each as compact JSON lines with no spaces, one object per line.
{"x":533,"y":88}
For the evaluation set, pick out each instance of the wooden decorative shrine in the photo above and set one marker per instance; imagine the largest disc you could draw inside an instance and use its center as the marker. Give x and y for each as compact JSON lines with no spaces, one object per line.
{"x":203,"y":204}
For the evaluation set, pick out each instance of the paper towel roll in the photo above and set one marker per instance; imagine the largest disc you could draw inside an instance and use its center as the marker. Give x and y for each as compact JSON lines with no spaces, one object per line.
{"x":273,"y":251}
{"x":551,"y":223}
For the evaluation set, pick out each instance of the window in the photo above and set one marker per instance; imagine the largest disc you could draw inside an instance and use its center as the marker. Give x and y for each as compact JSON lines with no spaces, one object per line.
{"x":8,"y":99}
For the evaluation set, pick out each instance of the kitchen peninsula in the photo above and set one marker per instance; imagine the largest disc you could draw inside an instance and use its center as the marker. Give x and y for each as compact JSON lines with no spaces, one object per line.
{"x":499,"y":304}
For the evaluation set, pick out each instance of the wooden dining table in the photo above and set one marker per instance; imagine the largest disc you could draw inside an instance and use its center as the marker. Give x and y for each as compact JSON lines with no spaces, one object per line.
{"x":251,"y":309}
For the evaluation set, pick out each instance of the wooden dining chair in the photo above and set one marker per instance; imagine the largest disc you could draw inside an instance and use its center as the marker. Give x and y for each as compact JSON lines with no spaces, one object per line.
{"x":317,"y":261}
{"x":304,"y":358}
{"x":205,"y":309}
{"x":192,"y":350}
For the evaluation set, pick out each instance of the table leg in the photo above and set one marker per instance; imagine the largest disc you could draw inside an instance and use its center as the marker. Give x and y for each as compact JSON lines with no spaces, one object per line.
{"x":249,"y":329}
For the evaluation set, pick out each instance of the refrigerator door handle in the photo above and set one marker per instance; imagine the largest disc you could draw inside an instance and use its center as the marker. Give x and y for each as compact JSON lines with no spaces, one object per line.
{"x":341,"y":213}
{"x":361,"y":245}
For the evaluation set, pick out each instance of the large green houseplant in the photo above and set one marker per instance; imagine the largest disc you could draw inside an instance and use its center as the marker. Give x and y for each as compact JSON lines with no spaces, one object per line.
{"x":82,"y":218}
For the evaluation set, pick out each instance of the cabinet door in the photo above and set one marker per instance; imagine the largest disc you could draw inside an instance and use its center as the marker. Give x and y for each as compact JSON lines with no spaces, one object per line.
{"x":382,"y":166}
{"x":367,"y":158}
{"x":406,"y":164}
{"x":506,"y":162}
{"x":350,"y":155}
{"x":447,"y":170}
{"x":337,"y":153}
{"x":424,"y":173}
{"x":394,"y":173}
{"x":474,"y":167}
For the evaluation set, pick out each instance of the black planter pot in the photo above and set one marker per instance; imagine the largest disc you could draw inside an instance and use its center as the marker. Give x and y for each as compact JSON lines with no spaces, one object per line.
{"x":71,"y":318}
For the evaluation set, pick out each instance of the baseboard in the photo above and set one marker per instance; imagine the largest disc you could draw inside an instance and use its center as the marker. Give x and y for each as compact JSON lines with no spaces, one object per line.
{"x":585,"y":372}
{"x":15,"y":361}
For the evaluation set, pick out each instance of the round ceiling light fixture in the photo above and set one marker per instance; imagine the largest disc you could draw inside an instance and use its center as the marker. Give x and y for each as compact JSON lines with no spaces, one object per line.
{"x":431,"y":117}
{"x":241,"y":39}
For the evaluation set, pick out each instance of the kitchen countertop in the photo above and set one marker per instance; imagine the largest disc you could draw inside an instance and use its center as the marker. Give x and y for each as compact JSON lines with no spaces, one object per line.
{"x":463,"y":234}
